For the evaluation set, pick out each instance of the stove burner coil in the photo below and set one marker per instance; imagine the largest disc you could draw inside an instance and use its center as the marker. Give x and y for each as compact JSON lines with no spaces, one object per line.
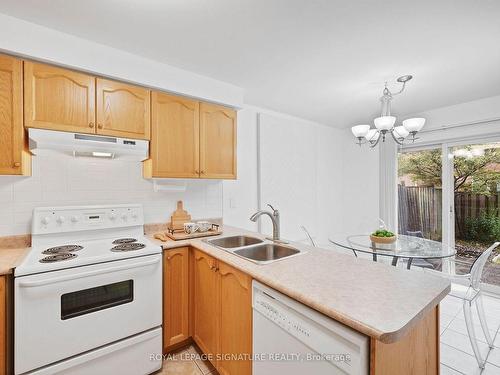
{"x":128,"y":247}
{"x":62,"y":249}
{"x":120,"y":241}
{"x":57,"y":257}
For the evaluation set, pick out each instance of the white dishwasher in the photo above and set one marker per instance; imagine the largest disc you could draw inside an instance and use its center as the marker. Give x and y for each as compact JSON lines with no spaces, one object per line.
{"x":290,"y":338}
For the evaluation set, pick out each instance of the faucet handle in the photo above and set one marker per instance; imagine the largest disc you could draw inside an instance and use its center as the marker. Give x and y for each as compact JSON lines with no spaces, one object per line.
{"x":272,"y":208}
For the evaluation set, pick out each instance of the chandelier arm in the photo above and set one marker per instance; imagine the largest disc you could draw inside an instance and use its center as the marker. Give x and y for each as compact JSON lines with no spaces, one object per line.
{"x":373,"y":144}
{"x":400,"y":91}
{"x":397,"y":140}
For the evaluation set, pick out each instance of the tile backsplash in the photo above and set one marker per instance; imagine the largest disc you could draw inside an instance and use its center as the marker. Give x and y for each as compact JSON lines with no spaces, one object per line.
{"x":59,"y":180}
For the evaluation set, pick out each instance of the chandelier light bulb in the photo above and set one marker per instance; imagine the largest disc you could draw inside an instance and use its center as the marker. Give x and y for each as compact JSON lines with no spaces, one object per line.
{"x":359,"y":131}
{"x":414,"y":124}
{"x":372,"y":135}
{"x":401,"y":132}
{"x":384,"y":122}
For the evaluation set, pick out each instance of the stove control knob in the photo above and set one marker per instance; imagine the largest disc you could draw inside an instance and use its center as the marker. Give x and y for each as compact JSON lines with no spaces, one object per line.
{"x":74,"y":219}
{"x":46,"y":220}
{"x":124,"y":216}
{"x":60,"y":219}
{"x":112,"y":216}
{"x":134,"y":215}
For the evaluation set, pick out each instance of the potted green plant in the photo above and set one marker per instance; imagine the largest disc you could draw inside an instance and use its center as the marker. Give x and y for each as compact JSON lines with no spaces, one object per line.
{"x":382,"y":236}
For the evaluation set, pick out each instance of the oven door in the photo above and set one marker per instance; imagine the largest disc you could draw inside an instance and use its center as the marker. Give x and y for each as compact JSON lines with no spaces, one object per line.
{"x":63,"y":313}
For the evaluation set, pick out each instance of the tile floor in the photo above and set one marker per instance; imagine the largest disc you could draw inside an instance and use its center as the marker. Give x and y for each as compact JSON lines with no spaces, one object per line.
{"x":183,"y":362}
{"x":456,"y":351}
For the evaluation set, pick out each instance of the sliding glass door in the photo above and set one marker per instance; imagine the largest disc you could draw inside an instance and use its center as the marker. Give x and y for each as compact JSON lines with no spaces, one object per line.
{"x":451,"y":193}
{"x":420,"y":193}
{"x":476,"y":201}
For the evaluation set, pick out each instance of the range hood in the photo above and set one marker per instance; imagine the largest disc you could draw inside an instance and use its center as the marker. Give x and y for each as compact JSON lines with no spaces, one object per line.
{"x":90,"y":145}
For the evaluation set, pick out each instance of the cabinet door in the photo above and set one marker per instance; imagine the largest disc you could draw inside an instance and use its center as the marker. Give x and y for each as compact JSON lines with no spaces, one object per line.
{"x":175,"y":131}
{"x":3,"y":325}
{"x":235,"y":332}
{"x":123,"y":110}
{"x":58,"y":99}
{"x":205,"y":303}
{"x":14,"y":157}
{"x":217,"y":142}
{"x":176,"y":297}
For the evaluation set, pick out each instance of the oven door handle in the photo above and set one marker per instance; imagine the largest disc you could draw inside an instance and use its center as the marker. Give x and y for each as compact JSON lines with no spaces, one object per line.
{"x":54,"y":280}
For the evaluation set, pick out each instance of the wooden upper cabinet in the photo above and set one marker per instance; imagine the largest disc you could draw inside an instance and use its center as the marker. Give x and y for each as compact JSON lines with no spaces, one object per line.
{"x":217,"y":142}
{"x":14,"y":155}
{"x":174,"y":147}
{"x":176,"y":297}
{"x":206,"y":298}
{"x":123,"y":110}
{"x":58,"y":99}
{"x":235,"y":335}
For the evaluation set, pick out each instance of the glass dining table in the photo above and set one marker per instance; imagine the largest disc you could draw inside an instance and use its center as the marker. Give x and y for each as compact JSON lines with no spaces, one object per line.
{"x":405,"y":247}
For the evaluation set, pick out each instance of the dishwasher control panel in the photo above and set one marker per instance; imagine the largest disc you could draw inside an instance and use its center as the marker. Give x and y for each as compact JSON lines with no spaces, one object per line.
{"x":330,"y":340}
{"x":280,"y":317}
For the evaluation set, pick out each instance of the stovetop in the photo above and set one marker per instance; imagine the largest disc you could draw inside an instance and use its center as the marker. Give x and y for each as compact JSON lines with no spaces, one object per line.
{"x":92,"y":235}
{"x":92,"y":252}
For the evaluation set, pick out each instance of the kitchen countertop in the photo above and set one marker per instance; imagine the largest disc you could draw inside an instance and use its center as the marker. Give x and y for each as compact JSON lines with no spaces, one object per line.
{"x":376,"y":299}
{"x":10,"y":258}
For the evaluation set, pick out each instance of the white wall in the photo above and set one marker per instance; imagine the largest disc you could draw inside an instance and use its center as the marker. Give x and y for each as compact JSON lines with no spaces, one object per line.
{"x":299,"y":171}
{"x":240,"y":196}
{"x":59,"y":180}
{"x":360,"y":186}
{"x":34,"y":41}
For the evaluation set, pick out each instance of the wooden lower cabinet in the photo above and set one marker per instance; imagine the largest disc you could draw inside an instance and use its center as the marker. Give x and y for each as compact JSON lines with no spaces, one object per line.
{"x":235,"y":323}
{"x":417,"y":353}
{"x":206,"y":302}
{"x":221,"y":311}
{"x":176,"y":298}
{"x":3,"y":325}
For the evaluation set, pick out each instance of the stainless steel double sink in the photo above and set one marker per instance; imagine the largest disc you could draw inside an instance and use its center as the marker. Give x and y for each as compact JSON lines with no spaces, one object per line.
{"x":254,"y":249}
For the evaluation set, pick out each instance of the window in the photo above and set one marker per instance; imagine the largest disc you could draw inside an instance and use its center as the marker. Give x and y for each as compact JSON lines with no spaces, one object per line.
{"x":94,"y":299}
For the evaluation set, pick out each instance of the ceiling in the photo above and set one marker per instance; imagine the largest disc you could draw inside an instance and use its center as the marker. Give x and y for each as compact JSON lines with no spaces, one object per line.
{"x":323,"y":60}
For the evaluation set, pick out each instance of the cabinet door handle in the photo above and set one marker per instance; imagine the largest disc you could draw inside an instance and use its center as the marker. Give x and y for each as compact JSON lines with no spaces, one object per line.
{"x":99,"y":126}
{"x":17,"y":164}
{"x":202,"y":172}
{"x":197,"y":171}
{"x":91,"y":124}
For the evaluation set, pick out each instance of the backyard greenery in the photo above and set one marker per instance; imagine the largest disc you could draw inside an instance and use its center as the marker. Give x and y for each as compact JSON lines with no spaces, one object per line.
{"x":477,"y":173}
{"x":484,"y":228}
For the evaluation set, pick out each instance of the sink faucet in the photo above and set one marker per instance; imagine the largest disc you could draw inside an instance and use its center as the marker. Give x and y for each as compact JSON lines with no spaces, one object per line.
{"x":275,"y":218}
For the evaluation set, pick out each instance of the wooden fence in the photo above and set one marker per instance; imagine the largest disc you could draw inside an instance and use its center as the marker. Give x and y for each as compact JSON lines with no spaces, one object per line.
{"x":469,"y":205}
{"x":420,"y":209}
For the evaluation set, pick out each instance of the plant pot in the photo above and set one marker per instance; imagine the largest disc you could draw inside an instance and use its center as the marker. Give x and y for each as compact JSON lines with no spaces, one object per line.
{"x":385,"y":240}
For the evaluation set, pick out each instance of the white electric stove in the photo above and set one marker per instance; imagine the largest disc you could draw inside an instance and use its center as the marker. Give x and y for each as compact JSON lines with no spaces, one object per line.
{"x":88,"y":297}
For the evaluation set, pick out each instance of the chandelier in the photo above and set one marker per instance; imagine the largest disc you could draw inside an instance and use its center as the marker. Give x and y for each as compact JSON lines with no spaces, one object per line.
{"x":385,"y":123}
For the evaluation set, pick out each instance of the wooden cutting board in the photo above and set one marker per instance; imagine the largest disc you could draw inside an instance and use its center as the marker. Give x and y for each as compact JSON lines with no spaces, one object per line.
{"x":179,"y":217}
{"x":176,"y":236}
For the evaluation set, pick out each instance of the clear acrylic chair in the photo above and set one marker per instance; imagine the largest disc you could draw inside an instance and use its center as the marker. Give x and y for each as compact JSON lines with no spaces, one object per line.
{"x":468,"y":289}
